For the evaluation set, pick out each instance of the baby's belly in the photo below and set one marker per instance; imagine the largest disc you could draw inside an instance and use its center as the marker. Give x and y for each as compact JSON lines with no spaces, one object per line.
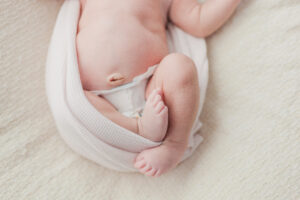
{"x":110,"y":47}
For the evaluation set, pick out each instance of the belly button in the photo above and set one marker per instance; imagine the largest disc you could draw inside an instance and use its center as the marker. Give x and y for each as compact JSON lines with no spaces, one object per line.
{"x":115,"y":79}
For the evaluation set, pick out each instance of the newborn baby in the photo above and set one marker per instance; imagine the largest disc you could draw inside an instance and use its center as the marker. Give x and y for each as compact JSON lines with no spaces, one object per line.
{"x":129,"y":75}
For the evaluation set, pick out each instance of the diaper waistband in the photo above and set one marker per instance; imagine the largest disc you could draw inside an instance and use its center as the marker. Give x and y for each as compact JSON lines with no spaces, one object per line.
{"x":130,"y":97}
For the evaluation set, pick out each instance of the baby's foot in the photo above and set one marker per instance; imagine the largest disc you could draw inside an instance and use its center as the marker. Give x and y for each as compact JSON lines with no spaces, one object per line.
{"x":154,"y":122}
{"x":159,"y":160}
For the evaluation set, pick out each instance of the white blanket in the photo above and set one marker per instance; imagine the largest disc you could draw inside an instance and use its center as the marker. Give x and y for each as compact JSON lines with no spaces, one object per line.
{"x":251,"y":148}
{"x":85,"y":129}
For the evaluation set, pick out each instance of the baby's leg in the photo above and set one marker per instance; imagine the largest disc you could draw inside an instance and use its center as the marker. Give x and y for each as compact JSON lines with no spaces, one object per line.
{"x":152,"y":125}
{"x":177,"y":76}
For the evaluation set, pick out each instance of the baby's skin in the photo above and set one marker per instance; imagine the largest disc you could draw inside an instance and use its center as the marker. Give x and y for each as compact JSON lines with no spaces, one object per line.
{"x":118,"y":40}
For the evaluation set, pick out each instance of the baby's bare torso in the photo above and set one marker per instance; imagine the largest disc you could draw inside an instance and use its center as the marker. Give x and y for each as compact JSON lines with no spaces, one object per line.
{"x":120,"y":38}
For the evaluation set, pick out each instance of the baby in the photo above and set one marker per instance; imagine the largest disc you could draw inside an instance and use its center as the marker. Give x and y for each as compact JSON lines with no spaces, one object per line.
{"x":129,"y":75}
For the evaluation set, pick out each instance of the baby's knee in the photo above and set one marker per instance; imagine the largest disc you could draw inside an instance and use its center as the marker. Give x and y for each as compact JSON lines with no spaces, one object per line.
{"x":178,"y":59}
{"x":181,"y":69}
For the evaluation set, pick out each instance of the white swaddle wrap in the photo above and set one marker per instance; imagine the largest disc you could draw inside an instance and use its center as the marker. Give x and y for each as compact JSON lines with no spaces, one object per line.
{"x":82,"y":127}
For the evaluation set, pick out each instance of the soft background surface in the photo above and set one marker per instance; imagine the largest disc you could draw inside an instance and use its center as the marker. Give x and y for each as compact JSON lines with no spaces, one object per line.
{"x":251,"y":115}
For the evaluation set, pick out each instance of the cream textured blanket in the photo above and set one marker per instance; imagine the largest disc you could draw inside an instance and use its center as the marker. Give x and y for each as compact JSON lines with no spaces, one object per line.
{"x":251,"y":147}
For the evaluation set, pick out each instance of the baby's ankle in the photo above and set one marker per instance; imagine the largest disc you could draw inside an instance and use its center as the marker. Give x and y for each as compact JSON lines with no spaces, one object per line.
{"x":178,"y":144}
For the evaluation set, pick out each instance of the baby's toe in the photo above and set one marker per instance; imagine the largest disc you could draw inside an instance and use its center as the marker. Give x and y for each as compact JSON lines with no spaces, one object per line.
{"x":159,"y":107}
{"x":156,"y":100}
{"x":157,"y":173}
{"x":159,"y":91}
{"x":164,"y":111}
{"x":146,"y":169}
{"x":152,"y":172}
{"x":140,"y":164}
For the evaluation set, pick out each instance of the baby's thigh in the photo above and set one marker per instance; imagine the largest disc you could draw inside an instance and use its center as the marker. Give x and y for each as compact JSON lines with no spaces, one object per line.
{"x":174,"y":71}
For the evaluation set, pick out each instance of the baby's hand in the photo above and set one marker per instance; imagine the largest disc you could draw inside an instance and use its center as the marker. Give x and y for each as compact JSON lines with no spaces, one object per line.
{"x":201,"y":20}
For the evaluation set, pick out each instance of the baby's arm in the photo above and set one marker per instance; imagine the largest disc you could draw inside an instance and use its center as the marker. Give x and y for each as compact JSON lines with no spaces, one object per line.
{"x":201,"y":20}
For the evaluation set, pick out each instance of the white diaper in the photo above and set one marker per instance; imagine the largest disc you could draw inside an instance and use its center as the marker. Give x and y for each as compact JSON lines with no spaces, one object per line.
{"x":129,"y":99}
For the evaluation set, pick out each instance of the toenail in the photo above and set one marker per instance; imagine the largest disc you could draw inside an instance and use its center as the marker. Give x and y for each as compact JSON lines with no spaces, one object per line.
{"x":149,"y":169}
